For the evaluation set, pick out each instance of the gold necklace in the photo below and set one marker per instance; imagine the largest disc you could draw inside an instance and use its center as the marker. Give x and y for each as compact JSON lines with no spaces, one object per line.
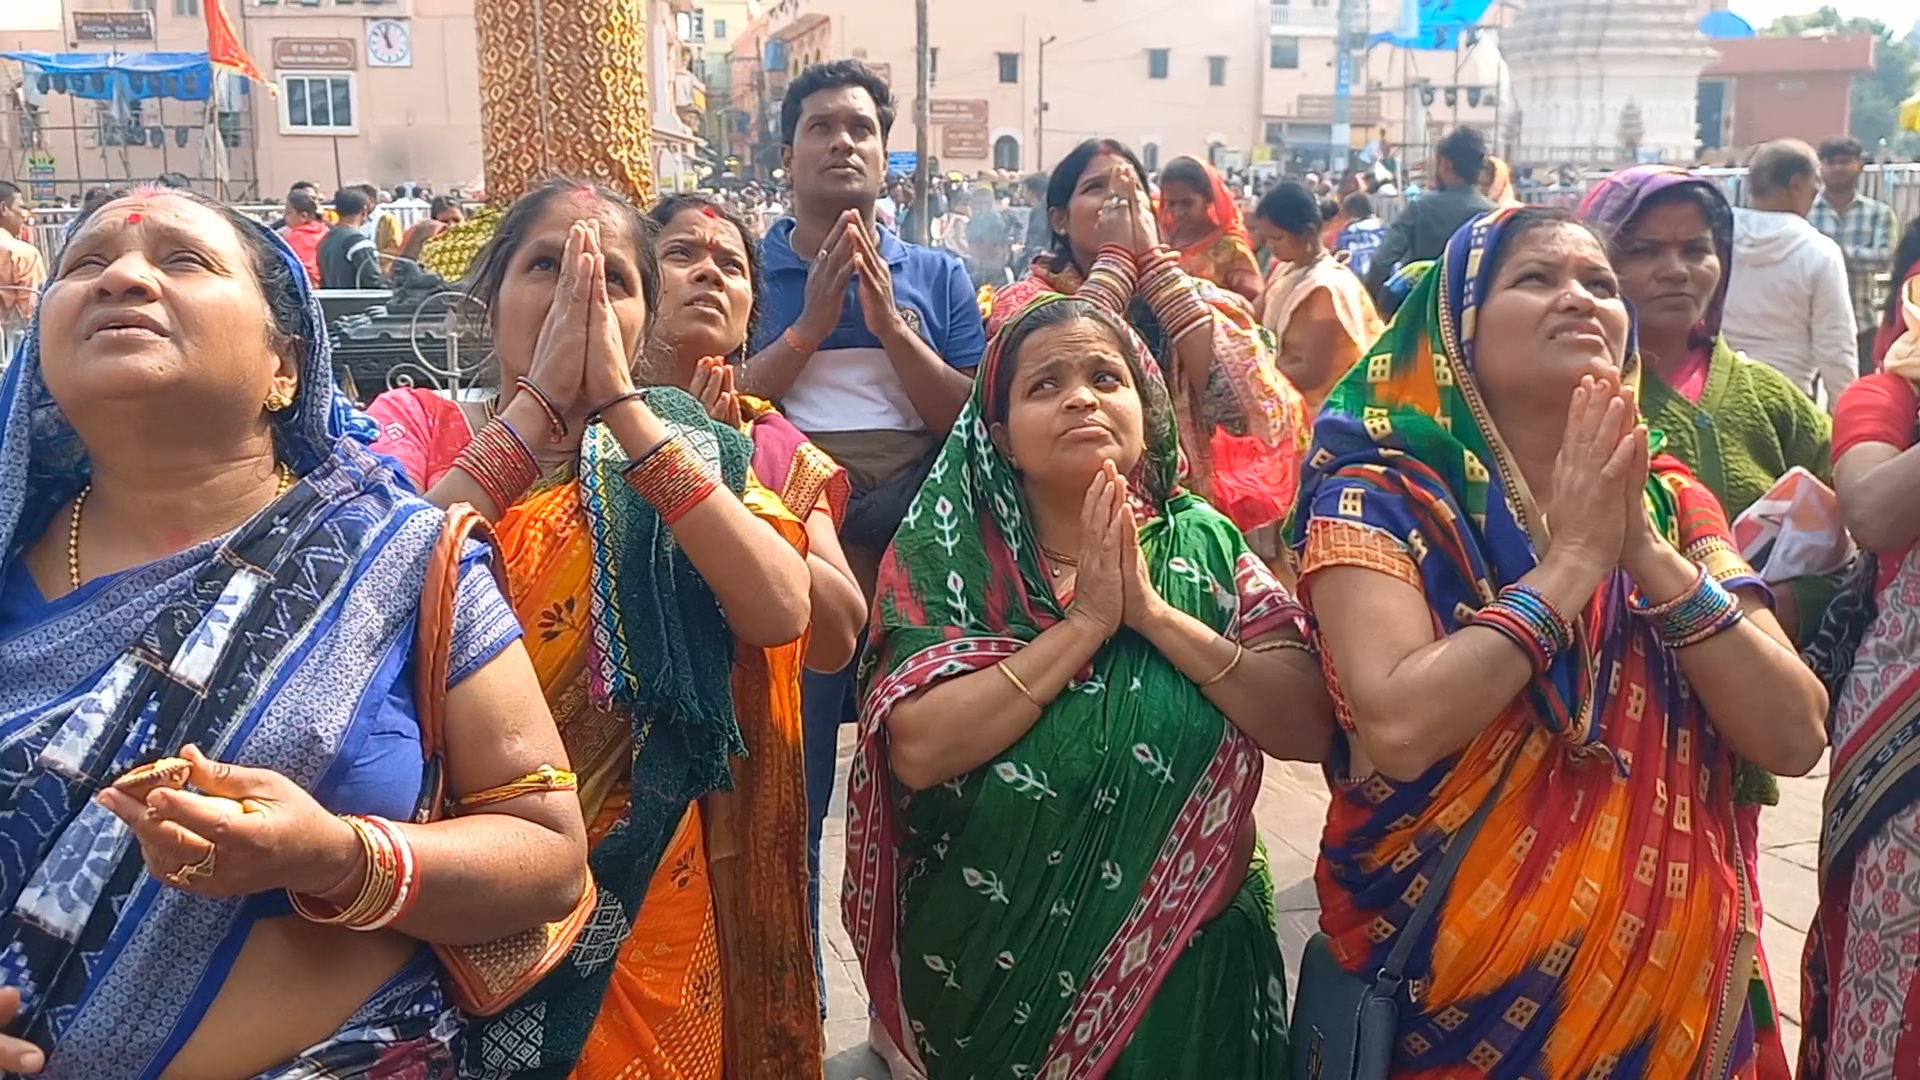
{"x":1058,"y":563}
{"x":80,"y":500}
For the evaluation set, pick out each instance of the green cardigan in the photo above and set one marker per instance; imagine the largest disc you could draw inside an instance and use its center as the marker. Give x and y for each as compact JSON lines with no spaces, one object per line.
{"x":1750,"y":426}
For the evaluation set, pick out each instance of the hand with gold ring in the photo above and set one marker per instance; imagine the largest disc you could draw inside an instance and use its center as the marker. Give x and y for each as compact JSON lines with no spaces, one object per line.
{"x":1137,"y":207}
{"x":193,"y":871}
{"x":239,"y":831}
{"x":1111,"y":222}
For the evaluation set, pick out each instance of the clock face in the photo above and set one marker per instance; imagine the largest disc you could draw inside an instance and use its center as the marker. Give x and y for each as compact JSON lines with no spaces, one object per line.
{"x":388,"y":43}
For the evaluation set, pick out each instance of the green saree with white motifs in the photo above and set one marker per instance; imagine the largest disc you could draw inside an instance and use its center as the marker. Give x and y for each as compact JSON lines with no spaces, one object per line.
{"x":1044,"y":914}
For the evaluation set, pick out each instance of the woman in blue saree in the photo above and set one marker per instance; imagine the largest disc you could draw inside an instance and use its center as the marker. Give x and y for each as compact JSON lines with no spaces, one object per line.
{"x":202,"y":565}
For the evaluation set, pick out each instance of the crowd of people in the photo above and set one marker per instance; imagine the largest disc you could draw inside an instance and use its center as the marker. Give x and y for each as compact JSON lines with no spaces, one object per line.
{"x":495,"y":737}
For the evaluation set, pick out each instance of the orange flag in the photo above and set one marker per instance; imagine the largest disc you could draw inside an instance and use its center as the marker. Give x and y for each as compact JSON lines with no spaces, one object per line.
{"x":223,"y":48}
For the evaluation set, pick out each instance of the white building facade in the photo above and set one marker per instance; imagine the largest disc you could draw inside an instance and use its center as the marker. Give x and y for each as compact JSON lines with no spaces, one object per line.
{"x":1600,"y":82}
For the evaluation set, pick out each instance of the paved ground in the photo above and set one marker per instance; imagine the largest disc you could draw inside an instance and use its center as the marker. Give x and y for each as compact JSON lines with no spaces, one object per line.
{"x":1290,"y":812}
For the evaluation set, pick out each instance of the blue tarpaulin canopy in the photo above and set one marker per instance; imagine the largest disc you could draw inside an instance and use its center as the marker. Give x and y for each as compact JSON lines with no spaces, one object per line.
{"x":1432,"y":24}
{"x":185,"y":76}
{"x":1725,"y":24}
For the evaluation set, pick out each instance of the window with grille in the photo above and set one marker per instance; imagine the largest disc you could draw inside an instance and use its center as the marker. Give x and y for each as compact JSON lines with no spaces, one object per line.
{"x":1009,"y":66}
{"x":317,"y":105}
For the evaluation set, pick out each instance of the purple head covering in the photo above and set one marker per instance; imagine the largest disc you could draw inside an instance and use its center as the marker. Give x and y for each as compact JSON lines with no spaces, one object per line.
{"x":1613,"y":203}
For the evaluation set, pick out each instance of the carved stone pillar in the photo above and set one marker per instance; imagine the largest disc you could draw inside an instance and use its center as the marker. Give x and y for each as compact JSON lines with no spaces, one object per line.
{"x":563,"y":92}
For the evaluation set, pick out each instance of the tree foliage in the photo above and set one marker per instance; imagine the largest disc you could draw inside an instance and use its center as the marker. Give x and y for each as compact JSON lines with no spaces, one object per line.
{"x":1877,"y":97}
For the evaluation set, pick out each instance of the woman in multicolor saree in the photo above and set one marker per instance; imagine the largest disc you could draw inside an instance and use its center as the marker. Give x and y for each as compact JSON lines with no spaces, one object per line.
{"x":1242,"y":424}
{"x":1602,"y":922}
{"x":199,"y":554}
{"x":707,"y":960}
{"x":1076,"y":666}
{"x":1862,"y":999}
{"x":1203,"y":225}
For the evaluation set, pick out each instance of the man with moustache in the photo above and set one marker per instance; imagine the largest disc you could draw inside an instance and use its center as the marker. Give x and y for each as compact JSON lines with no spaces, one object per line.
{"x":868,"y":344}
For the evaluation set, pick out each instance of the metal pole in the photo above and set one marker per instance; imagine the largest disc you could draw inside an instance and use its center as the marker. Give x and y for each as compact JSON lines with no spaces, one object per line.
{"x":922,"y":114}
{"x":1342,"y":133}
{"x":1040,"y":108}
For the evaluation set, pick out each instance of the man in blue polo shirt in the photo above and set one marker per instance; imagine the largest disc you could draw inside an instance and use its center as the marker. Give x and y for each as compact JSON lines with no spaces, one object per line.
{"x":867,"y":343}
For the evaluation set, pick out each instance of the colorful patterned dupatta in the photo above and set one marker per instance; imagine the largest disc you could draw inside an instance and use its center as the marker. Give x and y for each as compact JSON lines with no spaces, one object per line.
{"x":1603,"y":921}
{"x":1022,"y":916}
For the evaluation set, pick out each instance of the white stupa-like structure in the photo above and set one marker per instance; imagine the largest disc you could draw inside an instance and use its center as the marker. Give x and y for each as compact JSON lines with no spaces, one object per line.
{"x":1603,"y":82}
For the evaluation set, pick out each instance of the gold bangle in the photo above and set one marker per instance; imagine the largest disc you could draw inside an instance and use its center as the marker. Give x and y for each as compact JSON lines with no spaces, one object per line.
{"x":1239,"y":651}
{"x":1018,"y":685}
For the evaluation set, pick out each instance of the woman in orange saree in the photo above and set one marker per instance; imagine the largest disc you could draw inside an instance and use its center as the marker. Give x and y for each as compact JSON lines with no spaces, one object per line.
{"x":1203,"y":225}
{"x":671,"y":653}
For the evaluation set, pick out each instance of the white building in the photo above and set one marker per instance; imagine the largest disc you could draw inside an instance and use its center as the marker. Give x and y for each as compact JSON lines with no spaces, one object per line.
{"x":1605,"y":81}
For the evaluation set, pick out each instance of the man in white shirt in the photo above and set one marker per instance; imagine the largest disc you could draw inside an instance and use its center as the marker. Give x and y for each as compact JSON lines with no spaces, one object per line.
{"x":1787,"y":302}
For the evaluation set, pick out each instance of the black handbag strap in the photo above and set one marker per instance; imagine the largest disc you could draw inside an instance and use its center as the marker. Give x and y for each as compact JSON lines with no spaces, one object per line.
{"x":1387,"y":983}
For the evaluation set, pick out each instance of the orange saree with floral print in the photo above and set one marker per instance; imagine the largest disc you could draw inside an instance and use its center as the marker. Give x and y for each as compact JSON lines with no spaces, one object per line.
{"x":719,"y":964}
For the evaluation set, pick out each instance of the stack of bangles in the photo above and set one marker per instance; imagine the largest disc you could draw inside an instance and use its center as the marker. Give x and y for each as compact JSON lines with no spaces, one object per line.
{"x":1111,"y":280}
{"x":1171,"y":295}
{"x":1523,"y":615}
{"x":388,"y":890}
{"x":1706,"y":610}
{"x":500,"y":461}
{"x":672,"y":478}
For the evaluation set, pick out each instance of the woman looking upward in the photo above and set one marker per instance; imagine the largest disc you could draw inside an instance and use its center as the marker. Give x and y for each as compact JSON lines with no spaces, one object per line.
{"x":1073,"y":657}
{"x":1493,"y":555}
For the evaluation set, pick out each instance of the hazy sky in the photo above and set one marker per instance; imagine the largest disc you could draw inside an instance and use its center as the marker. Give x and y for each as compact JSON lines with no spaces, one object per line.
{"x":1899,"y":14}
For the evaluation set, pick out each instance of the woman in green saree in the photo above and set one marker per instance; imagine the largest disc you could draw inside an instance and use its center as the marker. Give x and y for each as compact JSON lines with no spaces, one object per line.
{"x":1076,"y":668}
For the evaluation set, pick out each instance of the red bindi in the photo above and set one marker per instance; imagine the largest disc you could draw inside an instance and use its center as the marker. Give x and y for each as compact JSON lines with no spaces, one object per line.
{"x":133,"y":218}
{"x":710,"y":211}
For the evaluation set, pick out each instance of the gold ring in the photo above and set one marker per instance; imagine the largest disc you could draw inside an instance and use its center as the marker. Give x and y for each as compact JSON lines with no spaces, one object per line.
{"x":185,"y":876}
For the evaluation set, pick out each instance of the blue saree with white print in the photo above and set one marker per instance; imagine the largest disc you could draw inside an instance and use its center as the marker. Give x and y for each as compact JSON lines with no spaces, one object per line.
{"x":284,"y":645}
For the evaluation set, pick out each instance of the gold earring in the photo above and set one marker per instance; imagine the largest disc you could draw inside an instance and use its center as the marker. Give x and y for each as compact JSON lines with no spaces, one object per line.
{"x":277,"y":401}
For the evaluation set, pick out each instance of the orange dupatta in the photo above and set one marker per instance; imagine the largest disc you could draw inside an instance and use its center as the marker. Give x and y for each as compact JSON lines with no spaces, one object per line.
{"x":1227,"y":248}
{"x":719,"y":966}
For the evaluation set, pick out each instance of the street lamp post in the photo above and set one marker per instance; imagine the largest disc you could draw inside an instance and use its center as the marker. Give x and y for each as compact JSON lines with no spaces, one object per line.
{"x":1341,"y":134}
{"x":922,"y":118}
{"x":1040,"y":108}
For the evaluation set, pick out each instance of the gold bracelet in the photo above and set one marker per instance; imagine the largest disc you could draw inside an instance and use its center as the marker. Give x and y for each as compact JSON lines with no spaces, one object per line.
{"x":1018,"y":685}
{"x":1239,"y":651}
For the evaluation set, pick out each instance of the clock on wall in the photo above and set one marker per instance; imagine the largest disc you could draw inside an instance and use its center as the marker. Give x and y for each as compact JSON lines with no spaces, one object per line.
{"x":389,"y":43}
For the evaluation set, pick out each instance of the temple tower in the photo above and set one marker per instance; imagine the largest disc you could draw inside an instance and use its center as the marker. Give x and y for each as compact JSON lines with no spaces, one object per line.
{"x":1598,"y":81}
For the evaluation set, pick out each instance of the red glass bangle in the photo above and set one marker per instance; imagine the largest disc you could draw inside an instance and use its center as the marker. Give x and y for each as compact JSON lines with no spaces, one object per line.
{"x":672,"y":478}
{"x":556,"y":423}
{"x":500,"y":461}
